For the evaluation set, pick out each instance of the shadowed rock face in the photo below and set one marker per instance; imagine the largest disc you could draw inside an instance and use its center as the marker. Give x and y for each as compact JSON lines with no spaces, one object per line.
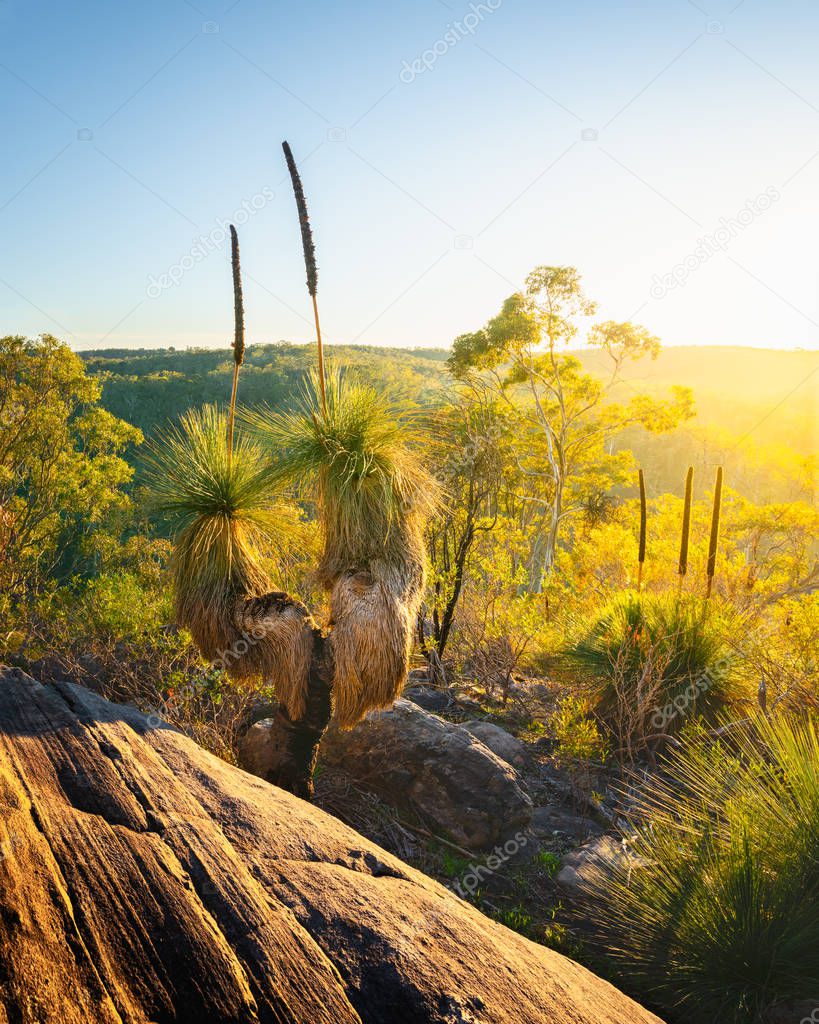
{"x":143,"y":880}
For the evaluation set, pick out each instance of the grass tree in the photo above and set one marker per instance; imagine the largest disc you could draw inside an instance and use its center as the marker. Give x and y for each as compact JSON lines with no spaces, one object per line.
{"x":353,"y":452}
{"x":222,"y":506}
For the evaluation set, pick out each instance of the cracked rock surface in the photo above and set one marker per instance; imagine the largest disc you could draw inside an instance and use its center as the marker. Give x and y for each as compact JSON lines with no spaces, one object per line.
{"x":144,"y":880}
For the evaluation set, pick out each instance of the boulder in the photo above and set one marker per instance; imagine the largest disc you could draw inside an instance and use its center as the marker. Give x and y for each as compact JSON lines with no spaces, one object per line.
{"x":432,"y":770}
{"x":143,"y":879}
{"x":418,"y":677}
{"x":499,"y":741}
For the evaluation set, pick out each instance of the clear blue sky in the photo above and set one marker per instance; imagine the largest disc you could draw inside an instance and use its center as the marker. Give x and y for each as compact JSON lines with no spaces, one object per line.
{"x":618,"y":137}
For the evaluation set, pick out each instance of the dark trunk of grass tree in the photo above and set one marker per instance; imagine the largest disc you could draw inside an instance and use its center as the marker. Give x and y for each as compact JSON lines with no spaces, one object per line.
{"x":285,"y":631}
{"x":298,"y":739}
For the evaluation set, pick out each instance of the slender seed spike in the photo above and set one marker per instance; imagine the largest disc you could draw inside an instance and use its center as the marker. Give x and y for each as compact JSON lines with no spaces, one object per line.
{"x":713,"y":540}
{"x":641,"y":555}
{"x":304,"y":221}
{"x":309,"y":261}
{"x":238,"y":331}
{"x":238,"y":302}
{"x":686,"y":525}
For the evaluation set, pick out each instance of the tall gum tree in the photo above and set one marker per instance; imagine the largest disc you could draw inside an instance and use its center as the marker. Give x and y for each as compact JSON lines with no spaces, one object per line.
{"x":568,"y":416}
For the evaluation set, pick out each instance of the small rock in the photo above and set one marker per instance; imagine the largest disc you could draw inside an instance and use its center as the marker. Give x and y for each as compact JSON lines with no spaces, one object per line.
{"x":600,"y":857}
{"x":418,"y":676}
{"x":549,"y":819}
{"x":262,"y":747}
{"x":428,"y":698}
{"x":499,"y":741}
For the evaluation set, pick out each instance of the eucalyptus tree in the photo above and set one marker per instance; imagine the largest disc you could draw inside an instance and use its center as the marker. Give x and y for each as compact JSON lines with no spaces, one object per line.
{"x":568,"y":415}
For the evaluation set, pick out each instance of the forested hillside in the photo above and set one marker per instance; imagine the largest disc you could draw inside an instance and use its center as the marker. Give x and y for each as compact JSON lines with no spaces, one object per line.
{"x":148,"y":387}
{"x":756,"y":409}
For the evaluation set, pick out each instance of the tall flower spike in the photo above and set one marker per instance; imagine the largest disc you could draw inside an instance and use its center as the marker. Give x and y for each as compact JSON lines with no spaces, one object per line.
{"x":641,"y":553}
{"x":686,"y":523}
{"x":309,"y":261}
{"x":238,"y":302}
{"x":713,"y":540}
{"x":238,"y":330}
{"x":304,"y":221}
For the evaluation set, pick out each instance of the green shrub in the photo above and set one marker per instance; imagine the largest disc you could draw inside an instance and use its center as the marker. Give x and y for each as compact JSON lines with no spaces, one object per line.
{"x":653,"y":662}
{"x":121,"y":604}
{"x":576,"y":732}
{"x":517,"y":919}
{"x":719,"y":919}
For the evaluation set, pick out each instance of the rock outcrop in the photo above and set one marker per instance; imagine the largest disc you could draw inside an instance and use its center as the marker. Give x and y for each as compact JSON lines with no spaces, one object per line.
{"x":144,"y":880}
{"x":419,"y":764}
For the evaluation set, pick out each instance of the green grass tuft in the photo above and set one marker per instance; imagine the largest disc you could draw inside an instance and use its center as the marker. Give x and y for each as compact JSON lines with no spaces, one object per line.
{"x":653,"y":662}
{"x":719,"y":921}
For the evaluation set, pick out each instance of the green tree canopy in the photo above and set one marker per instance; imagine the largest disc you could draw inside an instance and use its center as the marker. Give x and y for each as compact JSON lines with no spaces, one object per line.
{"x":62,"y":477}
{"x":567,"y":416}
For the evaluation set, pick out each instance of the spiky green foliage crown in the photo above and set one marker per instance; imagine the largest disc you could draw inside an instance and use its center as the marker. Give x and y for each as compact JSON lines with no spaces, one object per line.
{"x":222,"y":508}
{"x":657,"y":640}
{"x":360,"y":461}
{"x":722,"y":904}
